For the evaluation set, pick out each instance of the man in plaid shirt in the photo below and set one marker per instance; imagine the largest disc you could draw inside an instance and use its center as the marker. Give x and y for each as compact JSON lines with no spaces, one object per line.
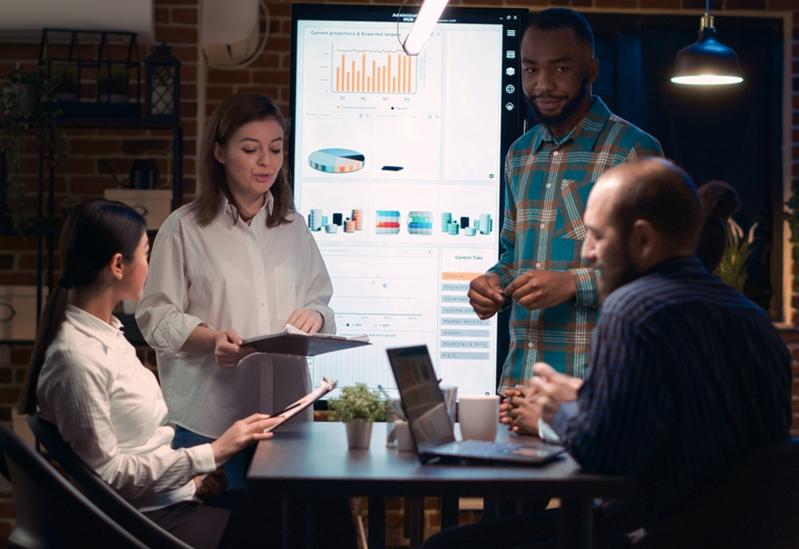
{"x":549,"y":172}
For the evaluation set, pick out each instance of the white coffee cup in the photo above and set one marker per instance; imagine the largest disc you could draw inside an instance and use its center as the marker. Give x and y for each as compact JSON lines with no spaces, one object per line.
{"x":478,"y":416}
{"x":404,"y":439}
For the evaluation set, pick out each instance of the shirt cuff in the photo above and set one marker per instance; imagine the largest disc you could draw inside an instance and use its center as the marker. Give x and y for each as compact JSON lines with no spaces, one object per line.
{"x":172,"y":334}
{"x":328,"y":318}
{"x":547,"y":433}
{"x":564,"y":416}
{"x":203,"y":457}
{"x":585,"y":285}
{"x":504,"y":274}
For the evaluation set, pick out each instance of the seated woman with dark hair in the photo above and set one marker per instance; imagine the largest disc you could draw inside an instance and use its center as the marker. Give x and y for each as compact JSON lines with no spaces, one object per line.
{"x":719,"y":201}
{"x":85,"y":378}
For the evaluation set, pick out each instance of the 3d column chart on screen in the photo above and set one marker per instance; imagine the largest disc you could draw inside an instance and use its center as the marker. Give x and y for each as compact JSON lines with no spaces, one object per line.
{"x":397,"y":166}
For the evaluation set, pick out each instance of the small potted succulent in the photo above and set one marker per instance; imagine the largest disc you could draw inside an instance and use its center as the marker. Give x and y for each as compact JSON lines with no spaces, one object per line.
{"x":358,"y":407}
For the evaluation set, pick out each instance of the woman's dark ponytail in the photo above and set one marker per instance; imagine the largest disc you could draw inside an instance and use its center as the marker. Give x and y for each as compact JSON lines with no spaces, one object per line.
{"x":93,"y":232}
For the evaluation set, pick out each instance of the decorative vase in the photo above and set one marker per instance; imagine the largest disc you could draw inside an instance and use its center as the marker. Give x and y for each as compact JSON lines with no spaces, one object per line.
{"x":359,"y":433}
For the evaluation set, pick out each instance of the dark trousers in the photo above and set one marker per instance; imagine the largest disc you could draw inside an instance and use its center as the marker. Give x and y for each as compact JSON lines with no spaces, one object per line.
{"x":230,"y":521}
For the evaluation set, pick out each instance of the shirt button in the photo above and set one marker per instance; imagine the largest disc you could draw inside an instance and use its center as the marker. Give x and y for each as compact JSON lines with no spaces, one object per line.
{"x":530,"y":345}
{"x":538,"y":265}
{"x":555,"y":153}
{"x":549,"y":185}
{"x":262,"y":303}
{"x":543,"y":225}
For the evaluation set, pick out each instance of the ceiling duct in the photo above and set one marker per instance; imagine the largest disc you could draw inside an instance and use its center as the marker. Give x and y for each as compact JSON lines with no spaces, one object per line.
{"x":22,"y":21}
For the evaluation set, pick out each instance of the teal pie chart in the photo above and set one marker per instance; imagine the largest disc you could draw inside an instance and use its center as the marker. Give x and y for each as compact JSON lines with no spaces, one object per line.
{"x":336,"y":160}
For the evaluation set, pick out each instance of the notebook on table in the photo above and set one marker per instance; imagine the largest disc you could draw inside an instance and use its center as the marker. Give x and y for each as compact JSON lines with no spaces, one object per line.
{"x":432,"y":431}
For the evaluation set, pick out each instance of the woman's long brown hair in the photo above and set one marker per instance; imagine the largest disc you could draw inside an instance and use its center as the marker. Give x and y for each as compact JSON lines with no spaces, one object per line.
{"x":232,"y":113}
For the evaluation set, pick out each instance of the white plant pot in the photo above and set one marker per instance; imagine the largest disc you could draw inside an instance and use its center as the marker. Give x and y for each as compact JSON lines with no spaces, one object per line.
{"x":359,"y":433}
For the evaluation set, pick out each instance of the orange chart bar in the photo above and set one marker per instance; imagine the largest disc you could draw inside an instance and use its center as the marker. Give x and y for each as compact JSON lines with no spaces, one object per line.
{"x":366,"y":72}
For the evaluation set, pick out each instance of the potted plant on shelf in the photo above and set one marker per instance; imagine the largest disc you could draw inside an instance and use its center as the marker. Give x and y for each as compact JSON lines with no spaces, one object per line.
{"x":113,"y":86}
{"x":358,"y":407}
{"x":65,"y":81}
{"x":29,"y":104}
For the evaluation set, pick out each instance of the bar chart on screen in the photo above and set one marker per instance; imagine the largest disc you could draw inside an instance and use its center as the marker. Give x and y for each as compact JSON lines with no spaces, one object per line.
{"x":374,"y":71}
{"x":366,"y":69}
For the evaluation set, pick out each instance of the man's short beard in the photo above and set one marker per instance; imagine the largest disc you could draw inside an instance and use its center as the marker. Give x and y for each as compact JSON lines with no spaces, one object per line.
{"x":618,"y":269}
{"x":571,"y":107}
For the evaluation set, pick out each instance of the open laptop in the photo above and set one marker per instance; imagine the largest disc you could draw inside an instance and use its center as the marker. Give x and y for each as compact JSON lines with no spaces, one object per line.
{"x":431,"y":428}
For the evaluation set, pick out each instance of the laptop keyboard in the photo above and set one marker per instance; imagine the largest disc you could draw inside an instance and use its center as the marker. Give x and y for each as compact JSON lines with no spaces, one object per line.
{"x":478,"y":448}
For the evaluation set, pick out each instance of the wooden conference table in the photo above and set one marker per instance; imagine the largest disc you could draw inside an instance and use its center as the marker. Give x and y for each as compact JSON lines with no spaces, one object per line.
{"x":311,"y":460}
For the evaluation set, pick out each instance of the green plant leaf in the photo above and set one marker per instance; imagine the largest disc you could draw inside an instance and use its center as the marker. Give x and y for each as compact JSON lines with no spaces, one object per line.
{"x":357,"y":402}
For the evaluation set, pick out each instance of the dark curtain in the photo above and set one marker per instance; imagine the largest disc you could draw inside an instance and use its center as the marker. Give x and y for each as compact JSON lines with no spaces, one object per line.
{"x":728,"y":133}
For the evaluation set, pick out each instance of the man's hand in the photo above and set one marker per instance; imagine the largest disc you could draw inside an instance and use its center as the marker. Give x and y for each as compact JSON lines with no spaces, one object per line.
{"x":552,"y":389}
{"x":541,"y":289}
{"x":485,"y":295}
{"x":519,"y":411}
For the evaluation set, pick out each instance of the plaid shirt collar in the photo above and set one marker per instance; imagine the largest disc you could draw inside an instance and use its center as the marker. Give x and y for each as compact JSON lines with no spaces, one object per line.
{"x":584,"y":134}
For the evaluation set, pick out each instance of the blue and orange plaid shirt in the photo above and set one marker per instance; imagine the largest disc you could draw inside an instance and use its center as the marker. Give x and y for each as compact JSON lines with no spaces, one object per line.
{"x":548,"y":182}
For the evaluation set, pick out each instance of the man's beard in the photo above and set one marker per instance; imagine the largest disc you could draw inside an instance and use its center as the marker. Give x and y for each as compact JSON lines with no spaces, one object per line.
{"x":570,"y":108}
{"x":616,"y":270}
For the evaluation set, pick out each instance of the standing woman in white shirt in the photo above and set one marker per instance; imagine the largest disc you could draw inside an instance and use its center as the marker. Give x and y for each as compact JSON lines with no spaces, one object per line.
{"x":236,"y":263}
{"x":86,"y":379}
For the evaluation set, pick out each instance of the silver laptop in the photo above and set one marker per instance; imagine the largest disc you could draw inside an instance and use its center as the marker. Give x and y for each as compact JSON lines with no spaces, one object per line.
{"x":431,"y":428}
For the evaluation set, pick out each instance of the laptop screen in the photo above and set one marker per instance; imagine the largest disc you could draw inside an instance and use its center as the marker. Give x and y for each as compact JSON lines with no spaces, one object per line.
{"x":421,"y":397}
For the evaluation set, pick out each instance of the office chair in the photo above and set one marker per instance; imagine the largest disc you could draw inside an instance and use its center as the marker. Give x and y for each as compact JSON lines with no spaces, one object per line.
{"x":50,"y":512}
{"x":753,"y":504}
{"x":99,"y":492}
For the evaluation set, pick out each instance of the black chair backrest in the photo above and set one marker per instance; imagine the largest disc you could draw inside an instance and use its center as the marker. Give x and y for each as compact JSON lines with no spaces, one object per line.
{"x":98,"y":491}
{"x":753,"y":504}
{"x":50,"y":512}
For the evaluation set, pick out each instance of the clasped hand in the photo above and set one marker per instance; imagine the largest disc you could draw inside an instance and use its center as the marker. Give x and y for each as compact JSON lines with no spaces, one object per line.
{"x":532,"y":290}
{"x":548,"y":389}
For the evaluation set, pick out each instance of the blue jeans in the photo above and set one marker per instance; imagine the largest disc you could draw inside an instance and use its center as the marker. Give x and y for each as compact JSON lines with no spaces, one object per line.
{"x":235,"y":469}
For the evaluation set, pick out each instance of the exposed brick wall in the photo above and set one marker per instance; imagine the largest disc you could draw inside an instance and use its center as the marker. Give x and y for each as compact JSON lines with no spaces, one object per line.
{"x":177,"y":24}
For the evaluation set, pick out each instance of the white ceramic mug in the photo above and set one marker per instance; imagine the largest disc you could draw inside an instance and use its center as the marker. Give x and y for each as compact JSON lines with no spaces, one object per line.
{"x":404,"y":438}
{"x":478,"y":416}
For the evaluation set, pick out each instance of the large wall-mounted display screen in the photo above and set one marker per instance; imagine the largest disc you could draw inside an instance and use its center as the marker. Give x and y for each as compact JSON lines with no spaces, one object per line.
{"x":397,"y":165}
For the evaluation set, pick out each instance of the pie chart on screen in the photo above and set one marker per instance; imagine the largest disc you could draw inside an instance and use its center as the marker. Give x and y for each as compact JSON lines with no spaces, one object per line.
{"x":336,"y":160}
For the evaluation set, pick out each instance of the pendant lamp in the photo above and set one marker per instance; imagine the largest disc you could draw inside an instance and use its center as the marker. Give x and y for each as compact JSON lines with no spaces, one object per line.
{"x":707,"y":62}
{"x":428,"y":17}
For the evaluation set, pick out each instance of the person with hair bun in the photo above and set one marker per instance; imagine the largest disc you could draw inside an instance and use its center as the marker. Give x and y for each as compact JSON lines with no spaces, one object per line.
{"x":719,"y":201}
{"x":85,"y":378}
{"x":236,"y":263}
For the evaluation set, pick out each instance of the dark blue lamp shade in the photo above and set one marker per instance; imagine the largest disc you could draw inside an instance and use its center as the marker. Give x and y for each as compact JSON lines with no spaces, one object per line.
{"x":707,"y":62}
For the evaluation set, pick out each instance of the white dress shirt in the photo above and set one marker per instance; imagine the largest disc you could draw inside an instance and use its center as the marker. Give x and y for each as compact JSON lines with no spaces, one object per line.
{"x":246,"y":277}
{"x":110,"y":410}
